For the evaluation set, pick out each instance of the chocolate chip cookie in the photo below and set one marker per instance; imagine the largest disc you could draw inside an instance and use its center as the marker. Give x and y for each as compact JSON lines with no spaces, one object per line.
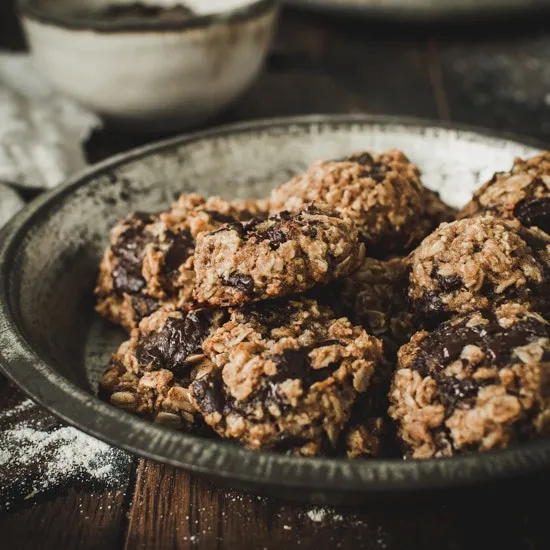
{"x":479,"y":381}
{"x":150,"y":373}
{"x":364,"y":440}
{"x":151,"y":258}
{"x":284,"y":375}
{"x":383,"y":195}
{"x":523,"y":193}
{"x":284,"y":254}
{"x":375,"y":297}
{"x":476,"y":263}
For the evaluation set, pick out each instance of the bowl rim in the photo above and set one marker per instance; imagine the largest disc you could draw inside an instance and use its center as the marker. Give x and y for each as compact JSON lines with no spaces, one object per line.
{"x":33,"y":10}
{"x":213,"y":457}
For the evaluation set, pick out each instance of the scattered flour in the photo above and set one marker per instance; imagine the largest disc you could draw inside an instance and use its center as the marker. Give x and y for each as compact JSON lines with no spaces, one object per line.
{"x":18,"y":409}
{"x":317,"y":514}
{"x":327,"y":517}
{"x":38,"y":456}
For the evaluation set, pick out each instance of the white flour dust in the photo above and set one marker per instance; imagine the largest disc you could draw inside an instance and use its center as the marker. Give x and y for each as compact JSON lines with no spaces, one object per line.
{"x":317,"y":514}
{"x":327,"y":517}
{"x":38,"y":456}
{"x":323,"y":515}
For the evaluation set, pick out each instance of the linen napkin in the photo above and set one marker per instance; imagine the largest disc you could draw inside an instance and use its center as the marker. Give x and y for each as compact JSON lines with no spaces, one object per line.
{"x":41,"y":132}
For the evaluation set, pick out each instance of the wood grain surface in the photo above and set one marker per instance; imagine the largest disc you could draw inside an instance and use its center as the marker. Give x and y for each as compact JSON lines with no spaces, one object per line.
{"x":494,"y":74}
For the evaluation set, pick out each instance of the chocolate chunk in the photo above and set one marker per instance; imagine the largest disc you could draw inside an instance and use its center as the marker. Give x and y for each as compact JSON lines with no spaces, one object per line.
{"x":448,"y":284}
{"x":126,"y":278}
{"x":444,"y":345}
{"x":311,"y":232}
{"x":209,"y":392}
{"x":285,"y":215}
{"x":378,"y":172}
{"x":276,"y":238}
{"x":143,"y":306}
{"x":274,"y":235}
{"x":269,"y":314}
{"x":246,"y":215}
{"x":128,"y":251}
{"x":238,"y":227}
{"x":291,"y":364}
{"x":245,"y":283}
{"x":534,"y":212}
{"x":430,"y":305}
{"x":454,"y":391}
{"x":219,"y":217}
{"x":360,"y":158}
{"x":313,"y":210}
{"x":178,"y":338}
{"x":296,"y":364}
{"x":181,"y":248}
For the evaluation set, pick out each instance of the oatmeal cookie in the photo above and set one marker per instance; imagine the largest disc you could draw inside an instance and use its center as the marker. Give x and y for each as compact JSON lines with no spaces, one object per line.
{"x":364,"y":440}
{"x":478,"y":382}
{"x":522,"y":194}
{"x":150,"y":373}
{"x":375,"y":297}
{"x":383,"y":195}
{"x":284,"y":254}
{"x":284,"y":375}
{"x":471,"y":264}
{"x":151,"y":258}
{"x":370,"y":433}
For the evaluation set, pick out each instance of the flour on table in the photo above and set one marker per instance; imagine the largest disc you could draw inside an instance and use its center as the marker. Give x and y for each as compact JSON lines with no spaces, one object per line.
{"x":18,"y":409}
{"x":38,"y":456}
{"x":317,"y":514}
{"x":320,"y":515}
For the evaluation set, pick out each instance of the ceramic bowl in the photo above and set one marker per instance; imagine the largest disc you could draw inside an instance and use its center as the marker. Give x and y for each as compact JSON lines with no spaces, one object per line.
{"x":145,"y":72}
{"x":55,"y":347}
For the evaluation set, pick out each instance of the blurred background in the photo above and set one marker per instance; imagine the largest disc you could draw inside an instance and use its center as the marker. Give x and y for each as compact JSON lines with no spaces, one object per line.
{"x":488,"y":68}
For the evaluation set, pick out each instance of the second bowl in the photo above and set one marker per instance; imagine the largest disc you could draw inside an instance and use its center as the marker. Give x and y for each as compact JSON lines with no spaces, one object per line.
{"x":150,"y":67}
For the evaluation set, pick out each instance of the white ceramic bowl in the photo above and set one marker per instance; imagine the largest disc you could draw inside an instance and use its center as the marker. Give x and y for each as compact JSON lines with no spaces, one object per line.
{"x":155,"y":74}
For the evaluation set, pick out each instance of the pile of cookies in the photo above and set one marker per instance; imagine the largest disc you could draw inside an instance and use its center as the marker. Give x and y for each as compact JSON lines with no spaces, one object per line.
{"x":351,"y":313}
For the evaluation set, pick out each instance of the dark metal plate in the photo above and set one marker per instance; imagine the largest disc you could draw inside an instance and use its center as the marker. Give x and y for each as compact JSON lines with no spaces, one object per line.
{"x":54,"y":346}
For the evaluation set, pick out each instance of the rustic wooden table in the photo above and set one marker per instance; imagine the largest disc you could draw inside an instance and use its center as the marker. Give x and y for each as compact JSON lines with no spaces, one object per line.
{"x":494,"y":74}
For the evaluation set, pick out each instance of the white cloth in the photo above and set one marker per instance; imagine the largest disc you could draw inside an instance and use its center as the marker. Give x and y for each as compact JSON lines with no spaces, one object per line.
{"x":10,"y":204}
{"x":41,"y":132}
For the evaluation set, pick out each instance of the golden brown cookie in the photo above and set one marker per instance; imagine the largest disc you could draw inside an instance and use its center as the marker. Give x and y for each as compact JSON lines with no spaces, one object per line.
{"x":479,"y":381}
{"x":284,"y":375}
